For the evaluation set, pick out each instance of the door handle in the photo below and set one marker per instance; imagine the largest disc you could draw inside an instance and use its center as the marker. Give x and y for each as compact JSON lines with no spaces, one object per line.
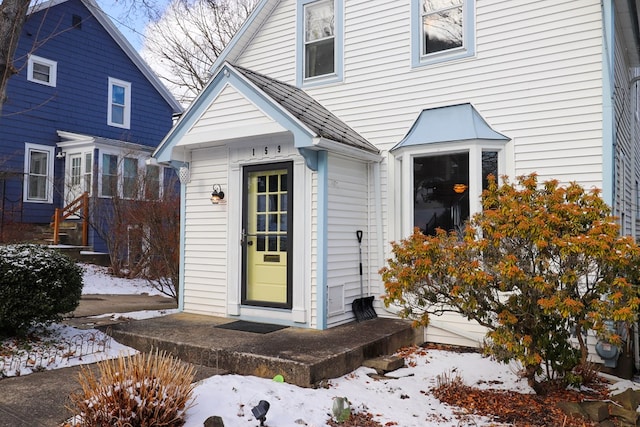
{"x":245,"y":236}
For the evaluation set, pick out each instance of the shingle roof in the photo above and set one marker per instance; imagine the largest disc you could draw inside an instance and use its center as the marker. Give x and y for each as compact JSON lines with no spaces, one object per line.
{"x":309,"y":111}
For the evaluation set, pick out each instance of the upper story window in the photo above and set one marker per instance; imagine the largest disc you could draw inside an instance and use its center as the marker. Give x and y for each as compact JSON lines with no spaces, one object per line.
{"x":320,"y":36}
{"x":442,"y":30}
{"x":41,"y":70}
{"x":119,"y":108}
{"x":38,"y":173}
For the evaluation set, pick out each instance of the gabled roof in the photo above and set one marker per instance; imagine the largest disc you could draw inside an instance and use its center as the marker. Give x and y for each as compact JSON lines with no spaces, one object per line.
{"x":451,"y":123}
{"x":308,"y":111}
{"x":314,"y":127}
{"x":124,"y":44}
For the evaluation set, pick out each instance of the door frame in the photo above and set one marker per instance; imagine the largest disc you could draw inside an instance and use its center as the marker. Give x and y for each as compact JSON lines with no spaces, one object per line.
{"x":246,"y":170}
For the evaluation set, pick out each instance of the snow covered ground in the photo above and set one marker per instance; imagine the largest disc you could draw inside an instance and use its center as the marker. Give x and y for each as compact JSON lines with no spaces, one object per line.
{"x":403,"y":401}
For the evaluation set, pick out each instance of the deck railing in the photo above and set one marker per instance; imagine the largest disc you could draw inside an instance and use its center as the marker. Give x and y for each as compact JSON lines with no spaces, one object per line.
{"x":81,"y":203}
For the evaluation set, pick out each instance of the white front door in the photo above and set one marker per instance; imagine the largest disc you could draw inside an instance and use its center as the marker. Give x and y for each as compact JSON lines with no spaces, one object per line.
{"x":78,"y":175}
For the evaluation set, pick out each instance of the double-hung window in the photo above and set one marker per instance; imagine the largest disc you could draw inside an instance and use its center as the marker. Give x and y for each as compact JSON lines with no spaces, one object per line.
{"x":130,"y":178}
{"x":320,"y":40}
{"x":38,"y":172}
{"x":442,"y":30}
{"x":109,"y":175}
{"x":42,"y":71}
{"x":152,"y":182}
{"x":119,"y":108}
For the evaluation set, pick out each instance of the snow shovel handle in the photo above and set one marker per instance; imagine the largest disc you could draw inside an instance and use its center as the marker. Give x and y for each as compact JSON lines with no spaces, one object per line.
{"x":359,"y":236}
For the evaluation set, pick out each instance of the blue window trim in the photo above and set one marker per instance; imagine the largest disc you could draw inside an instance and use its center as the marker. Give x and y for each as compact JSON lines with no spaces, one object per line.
{"x":468,"y":45}
{"x":338,"y":74}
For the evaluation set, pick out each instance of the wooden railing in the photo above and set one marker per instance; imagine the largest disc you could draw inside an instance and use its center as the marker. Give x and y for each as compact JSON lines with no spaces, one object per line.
{"x":81,"y":203}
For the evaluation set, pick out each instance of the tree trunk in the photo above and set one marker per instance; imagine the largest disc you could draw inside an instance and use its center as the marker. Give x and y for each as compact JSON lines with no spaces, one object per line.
{"x":13,"y":14}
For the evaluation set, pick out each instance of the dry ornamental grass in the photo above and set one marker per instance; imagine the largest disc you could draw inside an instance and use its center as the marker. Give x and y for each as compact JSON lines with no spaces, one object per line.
{"x":134,"y":391}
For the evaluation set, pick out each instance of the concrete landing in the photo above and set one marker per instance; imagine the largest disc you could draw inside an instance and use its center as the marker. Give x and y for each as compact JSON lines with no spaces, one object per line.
{"x":302,"y":356}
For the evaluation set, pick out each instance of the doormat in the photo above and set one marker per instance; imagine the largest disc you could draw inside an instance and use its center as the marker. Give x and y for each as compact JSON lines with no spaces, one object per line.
{"x":254,"y":327}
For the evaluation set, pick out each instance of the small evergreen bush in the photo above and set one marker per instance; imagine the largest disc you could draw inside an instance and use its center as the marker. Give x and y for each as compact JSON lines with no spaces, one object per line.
{"x":134,"y":391}
{"x":37,"y":286}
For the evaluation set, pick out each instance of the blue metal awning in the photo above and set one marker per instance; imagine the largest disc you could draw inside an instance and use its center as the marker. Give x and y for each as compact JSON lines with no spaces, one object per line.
{"x":445,"y":124}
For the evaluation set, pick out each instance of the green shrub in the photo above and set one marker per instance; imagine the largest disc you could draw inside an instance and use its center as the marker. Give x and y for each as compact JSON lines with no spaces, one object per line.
{"x":37,"y":286}
{"x":134,"y":391}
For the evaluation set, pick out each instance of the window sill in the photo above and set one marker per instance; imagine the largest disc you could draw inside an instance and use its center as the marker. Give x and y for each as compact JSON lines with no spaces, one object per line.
{"x":441,"y":58}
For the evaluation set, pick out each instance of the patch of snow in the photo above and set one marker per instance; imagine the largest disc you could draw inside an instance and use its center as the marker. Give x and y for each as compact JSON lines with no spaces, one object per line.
{"x":98,"y":280}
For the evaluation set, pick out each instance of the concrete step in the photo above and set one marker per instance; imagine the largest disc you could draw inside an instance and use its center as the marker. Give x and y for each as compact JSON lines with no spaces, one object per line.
{"x":304,"y":357}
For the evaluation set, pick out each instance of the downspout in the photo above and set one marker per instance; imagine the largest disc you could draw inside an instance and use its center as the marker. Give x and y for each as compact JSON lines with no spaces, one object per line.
{"x":184,"y":176}
{"x":377,"y":187}
{"x":323,"y":202}
{"x":634,"y":211}
{"x":633,"y":101}
{"x":183,"y":209}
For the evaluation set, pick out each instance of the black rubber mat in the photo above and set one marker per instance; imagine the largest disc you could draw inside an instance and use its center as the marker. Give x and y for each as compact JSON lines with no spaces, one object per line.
{"x":254,"y":327}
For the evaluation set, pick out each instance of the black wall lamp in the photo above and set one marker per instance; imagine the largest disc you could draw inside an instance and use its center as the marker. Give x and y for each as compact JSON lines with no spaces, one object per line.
{"x":217,"y":195}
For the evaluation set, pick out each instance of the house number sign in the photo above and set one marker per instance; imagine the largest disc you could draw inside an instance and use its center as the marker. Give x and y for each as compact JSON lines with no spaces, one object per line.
{"x":266,"y":150}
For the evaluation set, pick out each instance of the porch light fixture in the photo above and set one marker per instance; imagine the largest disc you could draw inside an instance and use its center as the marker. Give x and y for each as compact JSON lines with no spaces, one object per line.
{"x":460,"y":188}
{"x":61,"y":155}
{"x":217,"y":195}
{"x":260,"y":411}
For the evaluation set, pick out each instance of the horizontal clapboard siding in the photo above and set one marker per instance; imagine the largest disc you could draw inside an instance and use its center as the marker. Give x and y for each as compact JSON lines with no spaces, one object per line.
{"x":536,"y":77}
{"x":206,"y":262}
{"x":347,"y":201}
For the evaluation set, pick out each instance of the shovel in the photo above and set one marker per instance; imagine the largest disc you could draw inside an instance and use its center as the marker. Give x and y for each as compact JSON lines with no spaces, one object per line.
{"x":362,"y":307}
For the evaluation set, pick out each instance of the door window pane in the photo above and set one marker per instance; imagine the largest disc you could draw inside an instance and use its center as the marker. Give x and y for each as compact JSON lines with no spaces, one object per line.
{"x":273,"y":202}
{"x":273,"y":222}
{"x":262,"y":203}
{"x":273,"y":243}
{"x":262,"y":184}
{"x":76,"y":168}
{"x":273,"y":183}
{"x":441,"y":195}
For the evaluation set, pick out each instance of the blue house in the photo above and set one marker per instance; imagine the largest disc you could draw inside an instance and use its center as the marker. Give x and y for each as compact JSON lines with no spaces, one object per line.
{"x":83,"y":114}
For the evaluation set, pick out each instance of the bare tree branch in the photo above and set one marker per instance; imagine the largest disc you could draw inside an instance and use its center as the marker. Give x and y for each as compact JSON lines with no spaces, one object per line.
{"x":185,"y":42}
{"x":13,"y":14}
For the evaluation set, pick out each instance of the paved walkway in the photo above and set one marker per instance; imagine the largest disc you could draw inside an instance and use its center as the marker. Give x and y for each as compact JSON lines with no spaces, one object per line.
{"x":40,"y":399}
{"x":303,"y":356}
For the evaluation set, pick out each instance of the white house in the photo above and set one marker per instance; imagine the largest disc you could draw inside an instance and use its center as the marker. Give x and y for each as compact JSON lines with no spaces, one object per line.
{"x":324,"y":117}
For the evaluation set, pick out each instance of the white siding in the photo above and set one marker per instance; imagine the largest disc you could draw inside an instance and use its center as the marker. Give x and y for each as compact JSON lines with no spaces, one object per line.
{"x":347,"y":212}
{"x":536,"y":77}
{"x":230,"y":115}
{"x":206,"y":262}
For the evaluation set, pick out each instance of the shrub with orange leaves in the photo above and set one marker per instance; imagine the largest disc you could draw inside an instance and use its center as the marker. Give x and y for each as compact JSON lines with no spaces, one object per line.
{"x":539,"y":261}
